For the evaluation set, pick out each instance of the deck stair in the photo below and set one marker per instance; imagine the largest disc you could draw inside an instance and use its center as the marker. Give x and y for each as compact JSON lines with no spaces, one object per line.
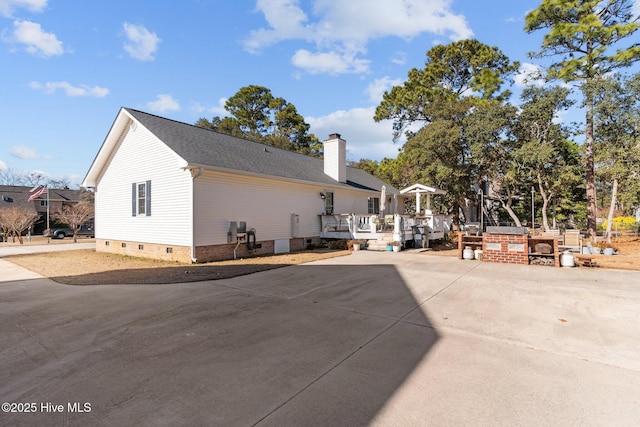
{"x":380,"y":244}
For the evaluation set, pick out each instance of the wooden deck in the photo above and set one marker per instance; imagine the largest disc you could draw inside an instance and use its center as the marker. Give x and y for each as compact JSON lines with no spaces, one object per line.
{"x":372,"y":227}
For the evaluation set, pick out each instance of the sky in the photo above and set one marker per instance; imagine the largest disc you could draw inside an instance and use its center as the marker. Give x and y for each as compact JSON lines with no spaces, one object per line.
{"x":67,"y":67}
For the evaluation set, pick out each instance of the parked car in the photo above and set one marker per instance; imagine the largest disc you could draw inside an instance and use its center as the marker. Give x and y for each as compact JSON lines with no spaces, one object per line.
{"x":61,"y":233}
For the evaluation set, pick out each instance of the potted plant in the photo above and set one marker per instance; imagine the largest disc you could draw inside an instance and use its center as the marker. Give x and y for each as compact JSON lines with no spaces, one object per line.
{"x":396,"y":246}
{"x":606,"y":248}
{"x":355,"y":244}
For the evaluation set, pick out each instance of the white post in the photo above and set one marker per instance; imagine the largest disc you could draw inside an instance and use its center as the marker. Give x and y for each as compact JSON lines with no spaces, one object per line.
{"x":397,"y":228}
{"x":417,"y":203}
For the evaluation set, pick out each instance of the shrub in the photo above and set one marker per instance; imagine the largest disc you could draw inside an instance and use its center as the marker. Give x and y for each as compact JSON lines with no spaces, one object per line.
{"x":622,"y":223}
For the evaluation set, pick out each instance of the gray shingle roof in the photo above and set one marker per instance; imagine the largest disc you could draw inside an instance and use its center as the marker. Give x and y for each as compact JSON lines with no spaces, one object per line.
{"x":205,"y":147}
{"x":14,"y":196}
{"x":18,"y":196}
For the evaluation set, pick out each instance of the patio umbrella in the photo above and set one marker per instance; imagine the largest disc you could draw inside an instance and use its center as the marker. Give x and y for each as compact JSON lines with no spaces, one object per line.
{"x":383,"y":199}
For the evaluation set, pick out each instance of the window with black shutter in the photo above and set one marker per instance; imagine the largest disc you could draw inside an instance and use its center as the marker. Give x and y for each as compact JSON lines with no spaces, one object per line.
{"x":141,"y":198}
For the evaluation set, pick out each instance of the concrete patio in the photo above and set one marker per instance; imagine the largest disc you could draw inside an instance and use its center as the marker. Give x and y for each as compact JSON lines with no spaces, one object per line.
{"x":374,"y":338}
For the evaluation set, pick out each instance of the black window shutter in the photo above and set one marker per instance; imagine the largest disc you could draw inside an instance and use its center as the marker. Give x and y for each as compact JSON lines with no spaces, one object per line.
{"x":148,"y":199}
{"x":134,"y":199}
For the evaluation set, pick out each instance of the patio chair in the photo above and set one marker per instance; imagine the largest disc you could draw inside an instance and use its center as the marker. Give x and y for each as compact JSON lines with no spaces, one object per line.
{"x":554,"y":233}
{"x":572,"y":241}
{"x":388,"y":222}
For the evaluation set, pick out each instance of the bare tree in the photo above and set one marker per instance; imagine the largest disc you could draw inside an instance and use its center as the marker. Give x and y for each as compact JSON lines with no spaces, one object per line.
{"x":13,"y":221}
{"x":75,"y":216}
{"x":4,"y":225}
{"x":59,"y":183}
{"x":34,"y":178}
{"x":9,"y":176}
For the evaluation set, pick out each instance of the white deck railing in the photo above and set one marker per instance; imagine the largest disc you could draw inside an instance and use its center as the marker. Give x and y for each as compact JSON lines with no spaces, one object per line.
{"x":369,"y":226}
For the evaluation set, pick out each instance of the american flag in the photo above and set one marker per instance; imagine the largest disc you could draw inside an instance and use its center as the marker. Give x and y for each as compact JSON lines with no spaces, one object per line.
{"x":41,"y":191}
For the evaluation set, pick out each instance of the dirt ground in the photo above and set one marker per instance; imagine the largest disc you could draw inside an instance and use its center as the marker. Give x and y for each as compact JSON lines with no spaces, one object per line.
{"x":627,"y":254}
{"x":87,"y":267}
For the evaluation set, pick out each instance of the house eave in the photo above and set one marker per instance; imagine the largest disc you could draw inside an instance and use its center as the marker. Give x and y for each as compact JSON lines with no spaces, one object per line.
{"x":337,"y":185}
{"x":99,"y":163}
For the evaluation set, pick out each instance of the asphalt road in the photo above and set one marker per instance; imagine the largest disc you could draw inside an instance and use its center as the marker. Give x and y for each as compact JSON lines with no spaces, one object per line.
{"x":368,"y":339}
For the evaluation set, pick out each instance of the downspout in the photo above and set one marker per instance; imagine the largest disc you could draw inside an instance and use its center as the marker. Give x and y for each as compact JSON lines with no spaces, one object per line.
{"x":193,"y":213}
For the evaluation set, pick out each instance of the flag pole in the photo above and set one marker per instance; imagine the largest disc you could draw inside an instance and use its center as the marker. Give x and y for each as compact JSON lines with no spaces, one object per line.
{"x":48,"y":228}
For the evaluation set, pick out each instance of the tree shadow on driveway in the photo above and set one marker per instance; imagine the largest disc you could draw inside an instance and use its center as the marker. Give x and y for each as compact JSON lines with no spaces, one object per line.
{"x":309,"y":344}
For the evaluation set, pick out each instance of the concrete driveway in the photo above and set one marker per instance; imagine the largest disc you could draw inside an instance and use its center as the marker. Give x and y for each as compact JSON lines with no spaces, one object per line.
{"x":367,"y":339}
{"x":32,"y":249}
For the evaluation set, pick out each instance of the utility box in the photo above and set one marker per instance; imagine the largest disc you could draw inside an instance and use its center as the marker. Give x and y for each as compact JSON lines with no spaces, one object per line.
{"x":295,"y":225}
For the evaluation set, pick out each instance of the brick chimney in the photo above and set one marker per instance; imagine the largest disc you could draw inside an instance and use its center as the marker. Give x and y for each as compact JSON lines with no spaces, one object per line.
{"x":335,"y":157}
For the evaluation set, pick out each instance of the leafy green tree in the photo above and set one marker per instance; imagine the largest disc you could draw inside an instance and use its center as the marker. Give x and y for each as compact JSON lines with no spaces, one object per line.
{"x":583,"y":34}
{"x":489,"y":129}
{"x":257,"y":115}
{"x":549,"y":159}
{"x":456,"y":78}
{"x":617,"y":137}
{"x":367,"y":165}
{"x":451,"y":72}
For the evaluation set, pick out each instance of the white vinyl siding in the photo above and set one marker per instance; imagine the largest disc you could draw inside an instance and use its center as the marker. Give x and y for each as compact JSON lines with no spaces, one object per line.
{"x":141,"y":158}
{"x":265,"y":204}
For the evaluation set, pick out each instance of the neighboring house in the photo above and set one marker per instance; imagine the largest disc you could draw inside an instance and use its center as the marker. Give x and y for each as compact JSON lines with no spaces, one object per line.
{"x":18,"y":196}
{"x":170,"y":190}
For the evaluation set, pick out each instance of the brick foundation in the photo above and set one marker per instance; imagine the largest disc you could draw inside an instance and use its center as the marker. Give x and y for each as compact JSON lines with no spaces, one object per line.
{"x":145,"y":250}
{"x":203,"y":253}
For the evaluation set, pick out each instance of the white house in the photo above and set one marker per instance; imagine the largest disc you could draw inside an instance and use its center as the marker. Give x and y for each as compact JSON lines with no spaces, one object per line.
{"x":170,"y":190}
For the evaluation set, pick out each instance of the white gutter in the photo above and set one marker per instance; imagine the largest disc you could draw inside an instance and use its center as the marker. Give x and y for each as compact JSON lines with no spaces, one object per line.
{"x":337,"y":185}
{"x":193,"y":213}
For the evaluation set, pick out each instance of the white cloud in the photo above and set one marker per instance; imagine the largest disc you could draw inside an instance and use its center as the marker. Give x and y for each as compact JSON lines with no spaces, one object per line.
{"x":329,"y":62}
{"x":69,"y":89}
{"x":217,"y":110}
{"x":3,"y":166}
{"x":141,"y":43}
{"x":378,"y":87}
{"x":366,"y":139}
{"x":36,"y":40}
{"x":400,"y":58}
{"x":529,"y":75}
{"x":163,"y":103}
{"x":342,"y":29}
{"x":8,"y":6}
{"x":22,"y":152}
